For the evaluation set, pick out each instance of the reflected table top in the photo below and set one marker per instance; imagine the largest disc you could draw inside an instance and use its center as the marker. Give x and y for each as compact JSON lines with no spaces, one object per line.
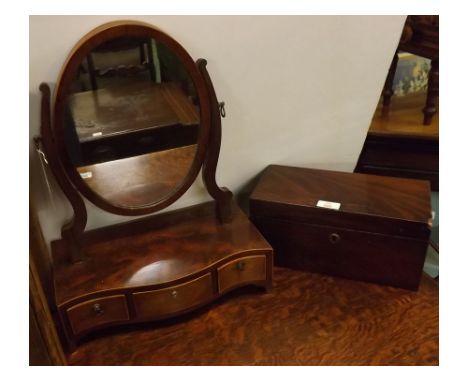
{"x":139,"y":180}
{"x":134,"y":107}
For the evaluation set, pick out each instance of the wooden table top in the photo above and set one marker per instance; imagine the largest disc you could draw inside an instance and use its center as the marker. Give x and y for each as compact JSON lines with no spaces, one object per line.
{"x":307,"y":319}
{"x":138,"y":106}
{"x":405,"y":119}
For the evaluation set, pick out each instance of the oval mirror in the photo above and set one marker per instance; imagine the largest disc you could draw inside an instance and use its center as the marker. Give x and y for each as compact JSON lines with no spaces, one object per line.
{"x":130,"y":118}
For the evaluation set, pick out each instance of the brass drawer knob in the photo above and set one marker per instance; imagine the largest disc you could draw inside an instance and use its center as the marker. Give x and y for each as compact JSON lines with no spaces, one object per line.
{"x":174,"y":294}
{"x":240,"y":265}
{"x":334,"y":238}
{"x":97,"y":308}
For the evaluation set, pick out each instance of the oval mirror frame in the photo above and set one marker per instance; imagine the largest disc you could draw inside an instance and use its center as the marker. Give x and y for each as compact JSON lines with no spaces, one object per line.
{"x":90,"y":41}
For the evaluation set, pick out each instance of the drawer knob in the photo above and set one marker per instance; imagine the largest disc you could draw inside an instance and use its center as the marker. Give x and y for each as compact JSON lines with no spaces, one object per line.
{"x":240,"y":265}
{"x":174,"y":294}
{"x":334,"y":238}
{"x":97,"y":308}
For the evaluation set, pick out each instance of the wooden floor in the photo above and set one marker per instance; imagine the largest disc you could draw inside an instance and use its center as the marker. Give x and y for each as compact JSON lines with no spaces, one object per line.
{"x":307,"y":319}
{"x":405,"y":119}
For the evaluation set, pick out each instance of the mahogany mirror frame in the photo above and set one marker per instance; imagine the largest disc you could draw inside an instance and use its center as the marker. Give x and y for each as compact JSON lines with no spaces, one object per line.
{"x":88,"y":43}
{"x":66,"y":175}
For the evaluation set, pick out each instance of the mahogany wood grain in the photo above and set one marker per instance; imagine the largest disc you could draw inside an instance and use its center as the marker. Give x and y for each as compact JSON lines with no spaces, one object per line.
{"x":97,"y":312}
{"x":174,"y":299}
{"x":160,"y":250}
{"x":222,"y":195}
{"x":383,"y":259}
{"x":73,"y":228}
{"x":368,"y":202}
{"x":156,"y":255}
{"x":380,"y":232}
{"x":140,"y":180}
{"x":307,"y":319}
{"x":243,"y":270}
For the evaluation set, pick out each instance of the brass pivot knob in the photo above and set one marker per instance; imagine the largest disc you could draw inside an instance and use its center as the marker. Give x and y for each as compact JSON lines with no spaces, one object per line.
{"x":334,"y":238}
{"x":97,"y":309}
{"x":174,"y":294}
{"x":240,"y":265}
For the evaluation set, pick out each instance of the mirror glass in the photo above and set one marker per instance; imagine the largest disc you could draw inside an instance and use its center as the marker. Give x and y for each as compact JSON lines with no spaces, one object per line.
{"x":132,"y":121}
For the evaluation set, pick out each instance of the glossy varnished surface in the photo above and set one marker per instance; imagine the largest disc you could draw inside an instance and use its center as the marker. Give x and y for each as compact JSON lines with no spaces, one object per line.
{"x":307,"y":319}
{"x":395,"y":198}
{"x":154,"y":251}
{"x":140,"y":180}
{"x":367,"y":202}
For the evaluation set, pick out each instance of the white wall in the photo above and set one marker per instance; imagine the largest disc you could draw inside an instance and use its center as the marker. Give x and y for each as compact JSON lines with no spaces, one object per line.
{"x":299,"y":90}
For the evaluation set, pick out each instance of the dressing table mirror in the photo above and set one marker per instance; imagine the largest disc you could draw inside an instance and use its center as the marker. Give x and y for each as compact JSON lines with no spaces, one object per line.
{"x":133,"y":121}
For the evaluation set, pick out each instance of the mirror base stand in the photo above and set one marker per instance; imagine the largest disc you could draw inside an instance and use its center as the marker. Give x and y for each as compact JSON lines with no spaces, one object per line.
{"x":221,"y":195}
{"x":74,"y":228}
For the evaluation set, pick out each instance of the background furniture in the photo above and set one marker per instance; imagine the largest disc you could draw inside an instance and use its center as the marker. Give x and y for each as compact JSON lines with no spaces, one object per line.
{"x":400,"y":145}
{"x":307,"y":319}
{"x":421,"y":37}
{"x":399,"y":141}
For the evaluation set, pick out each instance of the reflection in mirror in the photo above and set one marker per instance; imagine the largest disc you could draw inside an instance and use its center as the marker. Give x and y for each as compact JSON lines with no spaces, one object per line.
{"x":132,"y":121}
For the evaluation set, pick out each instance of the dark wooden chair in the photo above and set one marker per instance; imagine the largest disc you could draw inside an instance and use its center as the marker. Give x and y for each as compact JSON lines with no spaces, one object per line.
{"x":146,"y":60}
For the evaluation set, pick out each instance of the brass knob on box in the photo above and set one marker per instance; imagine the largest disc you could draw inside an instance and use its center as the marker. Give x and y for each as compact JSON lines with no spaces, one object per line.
{"x":174,"y":294}
{"x":334,"y":238}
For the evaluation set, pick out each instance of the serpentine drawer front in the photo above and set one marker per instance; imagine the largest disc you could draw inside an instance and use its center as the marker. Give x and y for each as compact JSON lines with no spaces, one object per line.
{"x":240,"y":271}
{"x":174,"y":299}
{"x":97,"y":312}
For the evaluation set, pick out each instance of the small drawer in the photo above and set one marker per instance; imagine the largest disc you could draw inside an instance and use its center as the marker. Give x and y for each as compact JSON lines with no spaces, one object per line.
{"x":175,"y":299}
{"x":97,"y":312}
{"x":241,"y":271}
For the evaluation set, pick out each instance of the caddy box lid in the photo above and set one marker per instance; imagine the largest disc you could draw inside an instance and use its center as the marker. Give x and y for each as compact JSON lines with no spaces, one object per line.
{"x":372,"y":203}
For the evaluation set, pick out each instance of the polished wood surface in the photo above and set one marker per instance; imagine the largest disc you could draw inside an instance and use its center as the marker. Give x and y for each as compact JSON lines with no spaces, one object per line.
{"x":174,"y":299}
{"x":307,"y":319}
{"x":124,"y":109}
{"x":221,"y":195}
{"x":404,"y":119}
{"x":171,"y":250}
{"x":149,"y":260}
{"x":368,"y":202}
{"x":157,"y":250}
{"x":140,"y":180}
{"x":97,"y":312}
{"x":241,"y":271}
{"x":379,"y":233}
{"x":365,"y":256}
{"x":73,"y":228}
